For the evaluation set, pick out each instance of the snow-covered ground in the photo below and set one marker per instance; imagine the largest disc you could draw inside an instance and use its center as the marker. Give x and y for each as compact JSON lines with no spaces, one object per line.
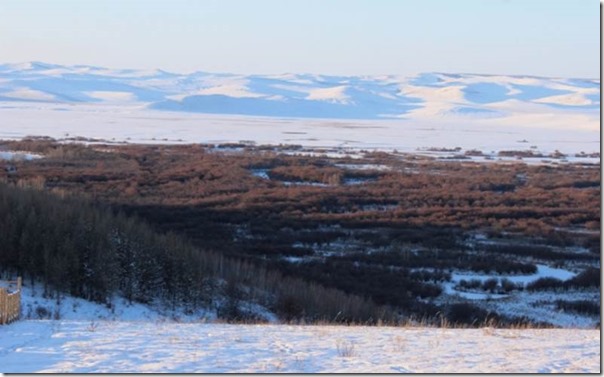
{"x":16,"y":155}
{"x":70,"y":346}
{"x":485,"y":112}
{"x":543,"y":271}
{"x":34,"y":305}
{"x":72,"y":335}
{"x":135,"y":124}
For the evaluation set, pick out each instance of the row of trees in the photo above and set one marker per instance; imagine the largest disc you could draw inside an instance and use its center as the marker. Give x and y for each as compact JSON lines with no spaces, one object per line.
{"x":73,"y":246}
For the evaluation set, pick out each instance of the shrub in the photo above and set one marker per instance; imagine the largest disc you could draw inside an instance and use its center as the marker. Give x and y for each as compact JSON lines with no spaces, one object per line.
{"x":288,"y":308}
{"x":507,"y":285}
{"x":579,"y":306}
{"x":42,"y":312}
{"x":546,"y":283}
{"x":470,"y":284}
{"x":588,"y":278}
{"x":490,"y":285}
{"x":468,"y":314}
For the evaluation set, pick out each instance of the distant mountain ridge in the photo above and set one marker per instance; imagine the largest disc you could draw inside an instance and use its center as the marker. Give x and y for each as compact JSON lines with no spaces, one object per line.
{"x":427,"y":95}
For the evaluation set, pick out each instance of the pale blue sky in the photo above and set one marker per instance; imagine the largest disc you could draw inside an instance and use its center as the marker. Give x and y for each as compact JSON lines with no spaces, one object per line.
{"x":536,"y":37}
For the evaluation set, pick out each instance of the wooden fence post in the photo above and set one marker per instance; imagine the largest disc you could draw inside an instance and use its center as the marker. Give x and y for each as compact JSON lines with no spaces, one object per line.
{"x":18,"y":309}
{"x":10,"y":304}
{"x":3,"y":306}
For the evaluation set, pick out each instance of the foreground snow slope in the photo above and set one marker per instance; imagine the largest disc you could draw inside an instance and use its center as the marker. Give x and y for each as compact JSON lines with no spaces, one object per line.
{"x":107,"y":346}
{"x":486,"y":112}
{"x":91,"y":337}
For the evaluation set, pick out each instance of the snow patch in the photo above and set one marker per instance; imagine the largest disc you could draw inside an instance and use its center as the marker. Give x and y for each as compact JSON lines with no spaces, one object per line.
{"x":112,"y":96}
{"x":573,"y":99}
{"x":28,"y":94}
{"x":13,"y":155}
{"x":232,"y":90}
{"x":336,"y":94}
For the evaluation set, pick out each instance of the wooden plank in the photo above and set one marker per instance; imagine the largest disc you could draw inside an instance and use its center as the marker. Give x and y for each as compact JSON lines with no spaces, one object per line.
{"x":10,"y":303}
{"x":3,"y":306}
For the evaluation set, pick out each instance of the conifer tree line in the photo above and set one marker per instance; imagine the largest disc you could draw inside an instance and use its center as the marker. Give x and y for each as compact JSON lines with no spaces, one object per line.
{"x":72,"y":246}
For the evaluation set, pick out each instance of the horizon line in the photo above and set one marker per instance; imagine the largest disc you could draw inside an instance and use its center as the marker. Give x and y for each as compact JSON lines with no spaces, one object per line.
{"x":39,"y":62}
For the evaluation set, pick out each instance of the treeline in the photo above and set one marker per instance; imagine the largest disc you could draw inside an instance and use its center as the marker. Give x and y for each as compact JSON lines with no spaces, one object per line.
{"x":75,"y":247}
{"x":539,"y":252}
{"x":442,"y":260}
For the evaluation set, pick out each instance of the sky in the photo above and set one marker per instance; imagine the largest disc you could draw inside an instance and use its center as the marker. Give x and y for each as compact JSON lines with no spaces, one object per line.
{"x":556,"y":38}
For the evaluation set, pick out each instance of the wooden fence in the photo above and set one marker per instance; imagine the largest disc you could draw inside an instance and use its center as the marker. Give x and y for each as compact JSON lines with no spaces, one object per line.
{"x":10,"y":302}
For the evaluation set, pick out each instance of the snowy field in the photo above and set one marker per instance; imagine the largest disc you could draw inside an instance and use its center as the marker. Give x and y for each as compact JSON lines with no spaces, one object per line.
{"x":141,"y":125}
{"x":66,"y":346}
{"x":489,"y":113}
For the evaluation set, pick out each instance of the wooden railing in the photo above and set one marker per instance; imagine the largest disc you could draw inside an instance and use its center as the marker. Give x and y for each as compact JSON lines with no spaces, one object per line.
{"x":10,"y":302}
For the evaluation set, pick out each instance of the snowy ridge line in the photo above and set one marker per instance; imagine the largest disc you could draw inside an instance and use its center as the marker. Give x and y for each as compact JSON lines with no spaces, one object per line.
{"x":427,"y":95}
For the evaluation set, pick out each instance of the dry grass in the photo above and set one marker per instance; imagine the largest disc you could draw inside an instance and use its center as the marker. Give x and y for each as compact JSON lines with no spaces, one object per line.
{"x":399,"y":344}
{"x":346,"y":348}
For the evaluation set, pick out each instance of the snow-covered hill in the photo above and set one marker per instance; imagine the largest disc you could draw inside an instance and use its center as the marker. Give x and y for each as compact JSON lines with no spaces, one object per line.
{"x":427,"y":111}
{"x":302,"y":95}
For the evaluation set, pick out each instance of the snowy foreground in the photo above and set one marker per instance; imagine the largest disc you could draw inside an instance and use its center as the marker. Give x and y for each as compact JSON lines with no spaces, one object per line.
{"x":91,"y":337}
{"x":120,"y":346}
{"x":133,"y":337}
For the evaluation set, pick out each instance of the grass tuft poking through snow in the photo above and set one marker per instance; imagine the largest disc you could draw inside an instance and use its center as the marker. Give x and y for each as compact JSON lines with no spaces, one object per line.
{"x":346,"y":348}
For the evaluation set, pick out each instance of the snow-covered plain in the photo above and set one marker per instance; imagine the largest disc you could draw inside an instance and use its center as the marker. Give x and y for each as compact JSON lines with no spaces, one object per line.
{"x":433,"y":110}
{"x":65,"y":346}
